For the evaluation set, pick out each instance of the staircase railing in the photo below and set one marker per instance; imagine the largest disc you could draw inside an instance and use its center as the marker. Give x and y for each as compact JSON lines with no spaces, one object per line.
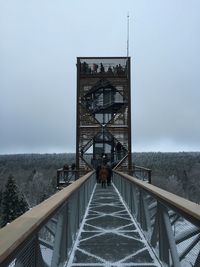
{"x":44,"y":235}
{"x":171,"y":224}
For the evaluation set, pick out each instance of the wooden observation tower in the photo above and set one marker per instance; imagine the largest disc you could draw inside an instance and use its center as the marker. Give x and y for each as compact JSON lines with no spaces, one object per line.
{"x":103,"y":112}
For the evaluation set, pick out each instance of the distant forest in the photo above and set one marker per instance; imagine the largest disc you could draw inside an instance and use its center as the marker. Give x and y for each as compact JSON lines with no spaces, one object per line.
{"x":178,"y":173}
{"x":35,"y":174}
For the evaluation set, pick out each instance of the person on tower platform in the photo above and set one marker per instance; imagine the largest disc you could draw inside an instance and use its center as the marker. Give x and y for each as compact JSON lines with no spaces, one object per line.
{"x":95,"y":68}
{"x":102,"y":70}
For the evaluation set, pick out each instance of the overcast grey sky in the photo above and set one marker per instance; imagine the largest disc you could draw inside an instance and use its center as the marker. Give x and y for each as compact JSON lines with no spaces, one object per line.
{"x":39,"y":43}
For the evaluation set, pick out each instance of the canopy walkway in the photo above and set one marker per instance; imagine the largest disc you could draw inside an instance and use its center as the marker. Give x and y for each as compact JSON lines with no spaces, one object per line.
{"x":109,"y":235}
{"x":130,"y":223}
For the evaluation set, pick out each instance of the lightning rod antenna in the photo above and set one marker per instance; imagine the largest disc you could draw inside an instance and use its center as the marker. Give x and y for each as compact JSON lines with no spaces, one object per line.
{"x":128,"y":34}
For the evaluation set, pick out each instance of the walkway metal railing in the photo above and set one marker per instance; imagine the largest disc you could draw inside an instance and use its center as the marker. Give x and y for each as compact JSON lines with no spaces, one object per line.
{"x":140,"y":173}
{"x":44,"y":235}
{"x":65,"y":177}
{"x":171,"y":224}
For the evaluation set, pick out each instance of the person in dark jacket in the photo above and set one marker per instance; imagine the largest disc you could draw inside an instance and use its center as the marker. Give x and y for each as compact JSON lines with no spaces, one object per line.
{"x":103,"y":174}
{"x":97,"y":173}
{"x":110,"y":174}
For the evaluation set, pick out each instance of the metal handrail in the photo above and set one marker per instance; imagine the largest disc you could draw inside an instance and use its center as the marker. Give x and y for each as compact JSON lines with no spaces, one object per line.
{"x":65,"y":177}
{"x":171,"y":224}
{"x":15,"y":236}
{"x":141,"y":173}
{"x":53,"y":224}
{"x":187,"y":208}
{"x":141,"y":168}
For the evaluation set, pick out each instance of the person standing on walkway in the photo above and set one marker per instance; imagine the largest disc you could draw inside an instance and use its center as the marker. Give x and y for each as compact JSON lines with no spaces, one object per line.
{"x":110,"y":174}
{"x":98,"y":168}
{"x":103,"y":174}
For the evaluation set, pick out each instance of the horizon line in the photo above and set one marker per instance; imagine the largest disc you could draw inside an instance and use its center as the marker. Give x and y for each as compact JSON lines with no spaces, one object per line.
{"x":51,"y":153}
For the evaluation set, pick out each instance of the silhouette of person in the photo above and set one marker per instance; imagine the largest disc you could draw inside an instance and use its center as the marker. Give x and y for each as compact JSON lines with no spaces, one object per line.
{"x":110,"y":174}
{"x":98,"y":168}
{"x":95,"y":68}
{"x":102,"y":68}
{"x":103,"y":174}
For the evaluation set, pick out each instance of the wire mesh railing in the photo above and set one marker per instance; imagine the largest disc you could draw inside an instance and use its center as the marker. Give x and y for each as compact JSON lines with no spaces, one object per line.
{"x":66,"y":177}
{"x":170,"y":223}
{"x":44,"y":235}
{"x":140,"y":173}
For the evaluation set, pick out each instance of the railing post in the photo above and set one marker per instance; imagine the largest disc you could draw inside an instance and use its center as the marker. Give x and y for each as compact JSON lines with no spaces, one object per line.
{"x":134,"y":206}
{"x":171,"y":239}
{"x":60,"y":243}
{"x":132,"y":171}
{"x":58,"y":177}
{"x":163,"y":239}
{"x":142,"y":214}
{"x":164,"y":234}
{"x":149,"y":176}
